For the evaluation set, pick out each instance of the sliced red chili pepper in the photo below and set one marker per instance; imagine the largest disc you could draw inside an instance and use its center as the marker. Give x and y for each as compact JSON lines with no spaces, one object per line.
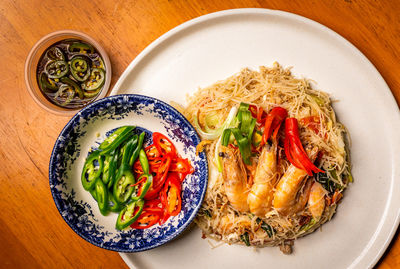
{"x":258,"y":113}
{"x":152,"y":152}
{"x":254,"y":110}
{"x":146,"y":220}
{"x":164,"y":218}
{"x":294,"y":149}
{"x":164,"y":145}
{"x":171,"y":195}
{"x":154,"y":203}
{"x":155,"y":164}
{"x":180,"y":165}
{"x":272,"y":123}
{"x":159,"y":178}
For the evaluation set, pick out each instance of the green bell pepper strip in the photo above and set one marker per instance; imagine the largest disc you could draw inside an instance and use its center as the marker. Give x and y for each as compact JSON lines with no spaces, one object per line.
{"x":129,"y":214}
{"x":46,"y":84}
{"x":90,"y":172}
{"x":80,"y":47}
{"x":143,"y":161}
{"x":136,"y":152}
{"x":72,"y":83}
{"x":243,"y":144}
{"x":65,"y":91}
{"x":114,"y":206}
{"x":144,"y":188}
{"x":95,"y":80}
{"x":115,"y":139}
{"x":101,"y":196}
{"x":80,"y":69}
{"x":55,"y":54}
{"x":125,"y":180}
{"x":56,"y":69}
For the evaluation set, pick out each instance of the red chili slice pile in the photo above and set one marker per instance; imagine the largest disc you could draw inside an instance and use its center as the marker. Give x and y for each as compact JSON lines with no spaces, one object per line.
{"x":163,"y":199}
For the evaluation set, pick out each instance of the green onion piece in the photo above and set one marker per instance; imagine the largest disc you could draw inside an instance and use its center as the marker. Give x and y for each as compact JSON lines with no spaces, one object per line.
{"x":251,"y":128}
{"x":243,"y":144}
{"x":245,"y":121}
{"x":245,"y":238}
{"x":218,"y":161}
{"x":212,"y":135}
{"x":226,"y":135}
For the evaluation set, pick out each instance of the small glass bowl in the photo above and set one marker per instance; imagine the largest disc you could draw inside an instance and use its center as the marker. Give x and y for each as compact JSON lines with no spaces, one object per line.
{"x":33,"y":60}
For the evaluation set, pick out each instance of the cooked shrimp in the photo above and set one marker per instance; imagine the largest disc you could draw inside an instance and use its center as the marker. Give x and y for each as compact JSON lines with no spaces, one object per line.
{"x":316,"y":201}
{"x":288,"y":188}
{"x":262,"y":191}
{"x":235,"y":176}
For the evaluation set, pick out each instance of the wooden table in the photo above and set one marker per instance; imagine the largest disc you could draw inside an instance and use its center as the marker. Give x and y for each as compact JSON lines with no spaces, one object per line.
{"x":32,"y":233}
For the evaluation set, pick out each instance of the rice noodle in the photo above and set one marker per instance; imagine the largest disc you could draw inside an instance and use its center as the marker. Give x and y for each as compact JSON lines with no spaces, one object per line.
{"x":267,"y":88}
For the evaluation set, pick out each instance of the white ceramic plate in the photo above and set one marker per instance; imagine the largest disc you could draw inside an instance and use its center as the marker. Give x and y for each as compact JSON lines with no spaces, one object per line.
{"x":213,"y":47}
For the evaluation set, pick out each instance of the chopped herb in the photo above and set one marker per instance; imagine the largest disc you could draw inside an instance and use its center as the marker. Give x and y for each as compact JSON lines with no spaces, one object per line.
{"x":245,"y":238}
{"x":207,"y":213}
{"x":266,"y":227}
{"x":308,"y":225}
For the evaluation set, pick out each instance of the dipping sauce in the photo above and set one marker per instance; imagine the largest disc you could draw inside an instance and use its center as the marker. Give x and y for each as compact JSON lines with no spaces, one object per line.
{"x":71,"y":73}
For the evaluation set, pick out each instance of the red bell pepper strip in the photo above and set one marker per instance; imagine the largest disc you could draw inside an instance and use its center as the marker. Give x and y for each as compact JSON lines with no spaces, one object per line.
{"x":294,"y":149}
{"x":272,"y":123}
{"x":164,"y":145}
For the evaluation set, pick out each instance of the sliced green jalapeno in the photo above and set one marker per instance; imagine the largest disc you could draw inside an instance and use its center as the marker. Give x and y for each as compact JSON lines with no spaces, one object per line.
{"x":55,"y":54}
{"x":80,"y":69}
{"x":125,"y":180}
{"x":136,"y":152}
{"x":47,"y":84}
{"x":72,"y":83}
{"x":123,"y":185}
{"x":66,"y":93}
{"x":101,"y":196}
{"x":143,"y":161}
{"x":56,"y":69}
{"x":116,"y":139}
{"x":141,"y":191}
{"x":129,"y":214}
{"x":95,"y":80}
{"x":80,"y":47}
{"x":91,"y":171}
{"x":114,"y":206}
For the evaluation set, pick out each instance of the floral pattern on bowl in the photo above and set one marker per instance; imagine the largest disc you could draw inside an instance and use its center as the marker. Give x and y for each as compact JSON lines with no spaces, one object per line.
{"x":85,"y":131}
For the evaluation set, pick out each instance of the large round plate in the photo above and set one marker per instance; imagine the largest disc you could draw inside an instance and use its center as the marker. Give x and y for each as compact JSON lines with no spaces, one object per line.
{"x":84,"y":132}
{"x":215,"y":46}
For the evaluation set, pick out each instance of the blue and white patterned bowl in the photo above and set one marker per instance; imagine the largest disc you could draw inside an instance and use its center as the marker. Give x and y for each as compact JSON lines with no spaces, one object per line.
{"x":86,"y":130}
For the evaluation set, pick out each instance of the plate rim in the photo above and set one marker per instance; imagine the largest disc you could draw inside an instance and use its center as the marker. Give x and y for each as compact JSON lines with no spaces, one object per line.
{"x":372,"y":259}
{"x":180,"y":229}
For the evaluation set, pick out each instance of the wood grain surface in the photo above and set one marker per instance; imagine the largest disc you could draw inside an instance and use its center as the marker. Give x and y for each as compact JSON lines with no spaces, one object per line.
{"x":32,"y":233}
